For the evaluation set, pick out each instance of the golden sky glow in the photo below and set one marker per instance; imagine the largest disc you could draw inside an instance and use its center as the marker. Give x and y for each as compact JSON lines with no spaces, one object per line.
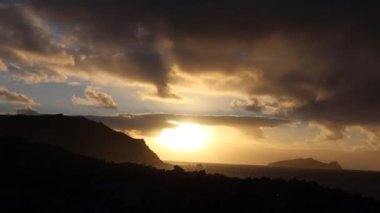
{"x":185,"y":137}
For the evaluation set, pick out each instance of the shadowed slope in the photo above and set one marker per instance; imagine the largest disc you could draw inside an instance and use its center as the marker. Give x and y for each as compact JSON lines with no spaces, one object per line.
{"x":79,"y":135}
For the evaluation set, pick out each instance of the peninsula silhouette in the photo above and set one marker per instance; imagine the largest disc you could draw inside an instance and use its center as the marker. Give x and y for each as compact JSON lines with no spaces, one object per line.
{"x":79,"y":135}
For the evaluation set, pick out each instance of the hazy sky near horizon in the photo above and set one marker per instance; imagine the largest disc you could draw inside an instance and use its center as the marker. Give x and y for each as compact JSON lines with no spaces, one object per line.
{"x":267,"y":80}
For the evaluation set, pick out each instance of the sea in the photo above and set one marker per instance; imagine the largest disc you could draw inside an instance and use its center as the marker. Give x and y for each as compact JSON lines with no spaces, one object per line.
{"x":366,"y":183}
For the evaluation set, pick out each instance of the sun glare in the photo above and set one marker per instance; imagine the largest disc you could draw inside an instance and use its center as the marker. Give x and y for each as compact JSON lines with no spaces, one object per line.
{"x":185,"y":137}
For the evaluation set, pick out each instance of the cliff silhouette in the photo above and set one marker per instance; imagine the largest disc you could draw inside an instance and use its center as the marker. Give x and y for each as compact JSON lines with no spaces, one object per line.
{"x":306,"y":163}
{"x":39,"y":177}
{"x":79,"y":135}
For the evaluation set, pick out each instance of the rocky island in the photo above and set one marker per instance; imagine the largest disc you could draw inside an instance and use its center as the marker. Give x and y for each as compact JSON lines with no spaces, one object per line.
{"x":306,"y":163}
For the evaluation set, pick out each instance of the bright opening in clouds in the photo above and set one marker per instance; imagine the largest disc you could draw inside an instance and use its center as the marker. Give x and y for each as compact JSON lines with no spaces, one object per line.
{"x":184,"y":137}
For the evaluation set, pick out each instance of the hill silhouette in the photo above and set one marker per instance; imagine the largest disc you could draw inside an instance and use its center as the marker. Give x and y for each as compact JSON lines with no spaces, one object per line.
{"x":45,"y":178}
{"x":79,"y":135}
{"x":306,"y":163}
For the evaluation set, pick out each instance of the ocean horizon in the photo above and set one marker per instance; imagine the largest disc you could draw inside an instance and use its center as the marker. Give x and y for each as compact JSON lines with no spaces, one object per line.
{"x":366,"y":183}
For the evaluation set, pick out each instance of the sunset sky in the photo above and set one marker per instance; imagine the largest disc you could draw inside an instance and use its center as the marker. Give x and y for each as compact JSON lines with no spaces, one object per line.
{"x":246,"y":82}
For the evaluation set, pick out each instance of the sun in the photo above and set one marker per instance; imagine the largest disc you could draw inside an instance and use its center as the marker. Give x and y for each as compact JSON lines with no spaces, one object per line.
{"x":184,"y":137}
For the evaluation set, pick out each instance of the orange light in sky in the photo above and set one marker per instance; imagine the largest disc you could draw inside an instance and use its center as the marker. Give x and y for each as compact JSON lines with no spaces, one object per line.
{"x":185,"y":137}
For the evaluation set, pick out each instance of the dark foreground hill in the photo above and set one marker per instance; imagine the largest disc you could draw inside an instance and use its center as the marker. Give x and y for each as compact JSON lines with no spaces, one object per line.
{"x":306,"y":163}
{"x":79,"y":135}
{"x":44,"y":178}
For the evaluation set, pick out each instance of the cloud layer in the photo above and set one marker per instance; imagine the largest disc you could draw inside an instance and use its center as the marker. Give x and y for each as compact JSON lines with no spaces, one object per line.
{"x":152,"y":124}
{"x":305,"y":60}
{"x":95,"y":98}
{"x":10,"y":97}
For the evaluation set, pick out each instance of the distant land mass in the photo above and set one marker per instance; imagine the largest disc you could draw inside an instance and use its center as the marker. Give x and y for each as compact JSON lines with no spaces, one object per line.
{"x":306,"y":163}
{"x":80,"y":136}
{"x":39,"y":177}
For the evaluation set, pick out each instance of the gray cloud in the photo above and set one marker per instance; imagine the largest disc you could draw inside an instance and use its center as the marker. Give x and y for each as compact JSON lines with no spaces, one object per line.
{"x":95,"y":98}
{"x":34,"y":75}
{"x":10,"y":97}
{"x":131,"y":52}
{"x":252,"y":105}
{"x":27,"y":111}
{"x":3,"y":66}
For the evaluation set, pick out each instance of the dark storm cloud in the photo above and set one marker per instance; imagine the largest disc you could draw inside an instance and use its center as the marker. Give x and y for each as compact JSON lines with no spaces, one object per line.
{"x":151,"y":124}
{"x":315,"y":60}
